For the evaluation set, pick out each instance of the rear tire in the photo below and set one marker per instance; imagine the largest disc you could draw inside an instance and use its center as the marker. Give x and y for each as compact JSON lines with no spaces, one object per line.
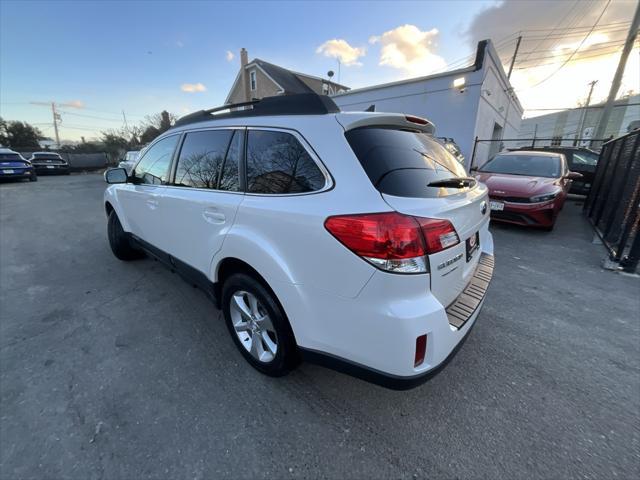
{"x":258,"y":325}
{"x":33,"y":177}
{"x":120,"y":241}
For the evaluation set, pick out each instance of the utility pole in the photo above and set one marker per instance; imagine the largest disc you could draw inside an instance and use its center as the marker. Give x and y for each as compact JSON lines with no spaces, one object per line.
{"x":584,"y":114}
{"x":124,"y":117}
{"x":56,"y":117}
{"x":617,"y":79}
{"x":515,"y":54}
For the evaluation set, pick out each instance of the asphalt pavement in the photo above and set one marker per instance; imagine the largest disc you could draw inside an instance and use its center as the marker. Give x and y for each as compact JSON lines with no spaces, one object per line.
{"x":114,"y":370}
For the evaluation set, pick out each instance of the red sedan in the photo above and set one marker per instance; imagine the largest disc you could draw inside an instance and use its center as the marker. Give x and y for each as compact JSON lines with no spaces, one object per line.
{"x":526,"y":187}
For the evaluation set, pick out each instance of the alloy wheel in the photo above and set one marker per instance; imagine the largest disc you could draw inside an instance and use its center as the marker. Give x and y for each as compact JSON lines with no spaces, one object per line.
{"x":253,"y":326}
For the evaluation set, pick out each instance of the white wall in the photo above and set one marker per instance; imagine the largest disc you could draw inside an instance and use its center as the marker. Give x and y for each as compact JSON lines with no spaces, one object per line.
{"x":461,"y":115}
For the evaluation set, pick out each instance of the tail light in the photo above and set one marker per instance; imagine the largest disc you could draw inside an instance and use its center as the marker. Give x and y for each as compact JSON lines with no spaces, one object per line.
{"x":392,"y":241}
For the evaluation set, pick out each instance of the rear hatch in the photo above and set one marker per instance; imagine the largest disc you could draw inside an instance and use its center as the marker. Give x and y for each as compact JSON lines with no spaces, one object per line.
{"x":417,"y":176}
{"x":47,"y":160}
{"x":12,"y":160}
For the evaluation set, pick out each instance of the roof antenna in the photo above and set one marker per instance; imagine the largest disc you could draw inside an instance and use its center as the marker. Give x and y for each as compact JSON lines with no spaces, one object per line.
{"x":371,"y":108}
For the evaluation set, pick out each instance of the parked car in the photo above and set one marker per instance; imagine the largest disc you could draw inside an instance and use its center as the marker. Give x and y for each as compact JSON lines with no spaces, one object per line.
{"x":129,"y":160}
{"x":14,"y":165}
{"x":579,"y":159}
{"x":527,"y":187}
{"x":353,"y":240}
{"x":49,"y":163}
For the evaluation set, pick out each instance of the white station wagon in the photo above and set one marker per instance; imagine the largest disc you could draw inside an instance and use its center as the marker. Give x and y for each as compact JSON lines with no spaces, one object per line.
{"x":353,"y":240}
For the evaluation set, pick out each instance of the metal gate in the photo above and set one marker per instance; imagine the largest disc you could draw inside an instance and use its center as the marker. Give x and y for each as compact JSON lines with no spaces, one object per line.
{"x":612,"y":204}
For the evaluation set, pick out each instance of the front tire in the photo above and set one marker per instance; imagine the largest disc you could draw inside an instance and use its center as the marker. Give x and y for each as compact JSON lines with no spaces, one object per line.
{"x":33,"y":177}
{"x":258,"y":326}
{"x":120,"y":241}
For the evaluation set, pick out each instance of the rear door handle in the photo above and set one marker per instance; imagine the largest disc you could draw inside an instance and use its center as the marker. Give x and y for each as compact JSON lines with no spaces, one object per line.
{"x":213,"y":216}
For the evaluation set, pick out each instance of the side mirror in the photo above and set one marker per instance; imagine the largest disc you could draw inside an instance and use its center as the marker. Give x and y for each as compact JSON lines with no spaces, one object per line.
{"x":473,"y":169}
{"x":116,"y":175}
{"x":574,"y":176}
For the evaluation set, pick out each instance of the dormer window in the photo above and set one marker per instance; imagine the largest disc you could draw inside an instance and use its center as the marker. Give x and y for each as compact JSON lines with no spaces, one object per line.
{"x":252,"y":80}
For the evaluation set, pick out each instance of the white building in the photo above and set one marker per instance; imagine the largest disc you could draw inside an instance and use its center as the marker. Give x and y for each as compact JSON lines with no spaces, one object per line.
{"x":475,"y":101}
{"x":563,"y":127}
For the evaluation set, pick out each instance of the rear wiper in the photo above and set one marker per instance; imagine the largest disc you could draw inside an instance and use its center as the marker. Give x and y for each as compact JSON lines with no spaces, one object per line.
{"x":455,"y":182}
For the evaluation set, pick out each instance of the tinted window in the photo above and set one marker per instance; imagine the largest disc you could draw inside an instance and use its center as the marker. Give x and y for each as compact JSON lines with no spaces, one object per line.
{"x":153,"y":167}
{"x":403,"y":162}
{"x":277,"y":163}
{"x":531,"y":165}
{"x":584,"y":159}
{"x":202,"y":158}
{"x":5,"y":157}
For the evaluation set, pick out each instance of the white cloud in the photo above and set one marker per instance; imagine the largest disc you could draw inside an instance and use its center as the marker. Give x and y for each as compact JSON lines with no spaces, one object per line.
{"x":193,"y":87}
{"x":74,"y":104}
{"x":410,"y":49}
{"x":340,"y":49}
{"x":229,"y":55}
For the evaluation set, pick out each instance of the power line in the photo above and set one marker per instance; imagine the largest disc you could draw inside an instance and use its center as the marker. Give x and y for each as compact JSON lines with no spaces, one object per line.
{"x":526,"y":54}
{"x":585,"y":27}
{"x":90,"y":116}
{"x":576,"y":50}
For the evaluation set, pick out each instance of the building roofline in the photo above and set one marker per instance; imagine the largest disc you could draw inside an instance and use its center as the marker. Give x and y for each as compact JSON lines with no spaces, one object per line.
{"x":476,"y":65}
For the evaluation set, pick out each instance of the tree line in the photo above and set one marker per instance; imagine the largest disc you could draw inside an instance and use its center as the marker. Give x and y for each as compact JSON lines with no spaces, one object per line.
{"x":24,"y":136}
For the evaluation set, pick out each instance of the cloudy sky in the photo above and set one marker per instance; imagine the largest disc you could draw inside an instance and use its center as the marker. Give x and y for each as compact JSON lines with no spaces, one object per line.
{"x":98,"y":59}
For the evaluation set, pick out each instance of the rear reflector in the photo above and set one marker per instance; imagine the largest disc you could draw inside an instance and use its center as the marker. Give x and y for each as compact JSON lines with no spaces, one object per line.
{"x":421,"y":350}
{"x":392,"y":241}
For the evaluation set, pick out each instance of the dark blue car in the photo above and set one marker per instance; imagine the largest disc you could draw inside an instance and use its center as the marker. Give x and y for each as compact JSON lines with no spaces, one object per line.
{"x":13,"y":165}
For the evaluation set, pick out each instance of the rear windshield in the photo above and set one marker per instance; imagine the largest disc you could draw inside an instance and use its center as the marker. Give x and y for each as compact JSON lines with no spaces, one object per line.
{"x":53,"y":156}
{"x":404,"y":162}
{"x":9,"y":157}
{"x":530,"y":165}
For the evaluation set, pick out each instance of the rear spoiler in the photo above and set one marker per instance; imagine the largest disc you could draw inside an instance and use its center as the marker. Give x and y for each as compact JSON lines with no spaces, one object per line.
{"x":351,"y":121}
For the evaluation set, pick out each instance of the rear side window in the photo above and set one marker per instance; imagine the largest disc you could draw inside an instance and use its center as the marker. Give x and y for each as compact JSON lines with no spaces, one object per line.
{"x":403,"y":162}
{"x":207,"y":160}
{"x":278,"y":164}
{"x":153,"y":168}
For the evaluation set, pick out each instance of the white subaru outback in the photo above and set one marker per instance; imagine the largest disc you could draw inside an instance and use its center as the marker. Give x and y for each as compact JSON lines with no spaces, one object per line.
{"x":353,"y":240}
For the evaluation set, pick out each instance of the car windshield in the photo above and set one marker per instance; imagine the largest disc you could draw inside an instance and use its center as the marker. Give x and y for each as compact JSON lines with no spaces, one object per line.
{"x":530,"y":165}
{"x":51,"y":156}
{"x":585,"y":158}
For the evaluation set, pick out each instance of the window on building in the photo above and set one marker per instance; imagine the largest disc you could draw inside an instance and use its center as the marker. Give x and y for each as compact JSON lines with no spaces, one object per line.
{"x":153,"y":168}
{"x":202,"y":160}
{"x":556,"y":140}
{"x":252,"y":80}
{"x":278,"y":164}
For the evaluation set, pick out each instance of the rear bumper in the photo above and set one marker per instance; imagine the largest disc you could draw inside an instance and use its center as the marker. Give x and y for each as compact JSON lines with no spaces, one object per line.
{"x":530,"y":215}
{"x":52,"y":169}
{"x":387,"y":380}
{"x":17,"y":173}
{"x":373,"y":336}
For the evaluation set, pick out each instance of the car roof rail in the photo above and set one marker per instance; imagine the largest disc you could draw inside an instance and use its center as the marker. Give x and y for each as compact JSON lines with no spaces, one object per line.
{"x":296,"y":104}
